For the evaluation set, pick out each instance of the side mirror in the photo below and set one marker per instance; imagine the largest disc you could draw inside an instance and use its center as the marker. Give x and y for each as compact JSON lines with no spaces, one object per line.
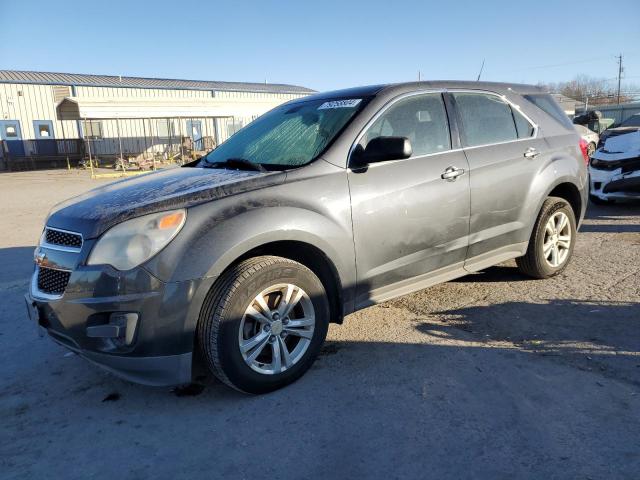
{"x":382,"y":149}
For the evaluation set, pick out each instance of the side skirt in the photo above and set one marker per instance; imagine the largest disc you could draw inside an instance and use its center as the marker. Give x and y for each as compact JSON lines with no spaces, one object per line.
{"x":442,"y":275}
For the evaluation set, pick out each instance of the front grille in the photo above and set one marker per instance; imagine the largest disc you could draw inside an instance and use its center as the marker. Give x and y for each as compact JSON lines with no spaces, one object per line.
{"x":64,"y":239}
{"x":52,"y":282}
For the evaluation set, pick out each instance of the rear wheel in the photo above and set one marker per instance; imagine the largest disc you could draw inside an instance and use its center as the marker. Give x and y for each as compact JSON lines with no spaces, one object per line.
{"x":552,"y":240}
{"x":263,"y":324}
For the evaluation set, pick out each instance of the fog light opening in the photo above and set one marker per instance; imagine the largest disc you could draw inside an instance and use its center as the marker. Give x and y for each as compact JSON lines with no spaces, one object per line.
{"x":120,"y":329}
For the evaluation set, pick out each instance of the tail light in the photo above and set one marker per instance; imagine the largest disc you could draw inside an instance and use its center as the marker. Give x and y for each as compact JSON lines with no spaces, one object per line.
{"x":583,"y":148}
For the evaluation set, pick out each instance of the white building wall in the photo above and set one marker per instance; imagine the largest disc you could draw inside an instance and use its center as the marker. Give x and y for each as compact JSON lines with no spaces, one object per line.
{"x":26,"y":103}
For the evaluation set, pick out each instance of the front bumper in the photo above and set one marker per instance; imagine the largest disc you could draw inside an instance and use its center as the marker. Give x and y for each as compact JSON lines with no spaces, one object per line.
{"x":159,"y":350}
{"x":614,"y":184}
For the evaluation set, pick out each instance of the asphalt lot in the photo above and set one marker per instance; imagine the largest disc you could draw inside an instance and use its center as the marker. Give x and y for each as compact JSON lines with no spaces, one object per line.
{"x":490,"y":376}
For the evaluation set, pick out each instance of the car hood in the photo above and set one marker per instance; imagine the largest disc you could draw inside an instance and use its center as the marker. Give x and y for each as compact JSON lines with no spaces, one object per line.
{"x":94,"y":212}
{"x":618,"y":147}
{"x":615,"y":131}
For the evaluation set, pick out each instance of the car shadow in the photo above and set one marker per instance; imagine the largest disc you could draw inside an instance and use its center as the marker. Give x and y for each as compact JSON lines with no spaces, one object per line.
{"x":497,"y":274}
{"x":615,"y":218}
{"x":602,"y":335}
{"x":610,"y":228}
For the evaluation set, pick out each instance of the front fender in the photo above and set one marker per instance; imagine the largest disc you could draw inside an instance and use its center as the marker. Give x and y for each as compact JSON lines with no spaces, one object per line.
{"x":207,"y":246}
{"x":259,"y":227}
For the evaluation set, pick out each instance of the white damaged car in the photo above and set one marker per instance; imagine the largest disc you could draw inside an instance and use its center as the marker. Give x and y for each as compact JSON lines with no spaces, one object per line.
{"x":592,"y":138}
{"x":615,"y":169}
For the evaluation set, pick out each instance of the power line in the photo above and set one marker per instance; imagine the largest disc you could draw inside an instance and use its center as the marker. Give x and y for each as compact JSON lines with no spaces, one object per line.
{"x":576,"y":62}
{"x":564,"y":63}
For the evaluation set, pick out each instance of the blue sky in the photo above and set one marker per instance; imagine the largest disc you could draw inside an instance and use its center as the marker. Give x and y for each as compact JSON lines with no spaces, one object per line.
{"x":323,"y":45}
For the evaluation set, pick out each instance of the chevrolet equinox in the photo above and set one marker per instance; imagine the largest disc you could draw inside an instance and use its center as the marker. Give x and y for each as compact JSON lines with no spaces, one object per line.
{"x":323,"y":206}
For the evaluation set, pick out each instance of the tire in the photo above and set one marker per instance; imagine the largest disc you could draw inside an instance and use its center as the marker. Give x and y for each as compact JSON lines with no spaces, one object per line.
{"x":600,"y":201}
{"x":591,"y":149}
{"x":535,"y":263}
{"x":225,"y":324}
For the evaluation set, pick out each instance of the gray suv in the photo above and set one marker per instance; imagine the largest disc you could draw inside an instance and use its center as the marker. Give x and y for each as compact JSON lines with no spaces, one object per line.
{"x":321,"y":207}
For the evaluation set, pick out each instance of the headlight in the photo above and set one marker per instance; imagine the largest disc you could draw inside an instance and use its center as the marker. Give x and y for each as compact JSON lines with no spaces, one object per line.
{"x":134,"y":241}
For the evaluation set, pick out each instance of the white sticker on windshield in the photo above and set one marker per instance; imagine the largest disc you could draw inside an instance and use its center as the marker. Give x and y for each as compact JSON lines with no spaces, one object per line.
{"x":350,"y":103}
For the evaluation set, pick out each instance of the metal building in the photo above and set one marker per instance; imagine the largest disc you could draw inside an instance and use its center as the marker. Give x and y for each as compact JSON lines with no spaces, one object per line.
{"x":46,"y":118}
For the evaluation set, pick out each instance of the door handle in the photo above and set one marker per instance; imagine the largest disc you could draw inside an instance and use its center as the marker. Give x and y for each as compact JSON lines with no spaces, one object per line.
{"x":451,"y":173}
{"x":531,"y":152}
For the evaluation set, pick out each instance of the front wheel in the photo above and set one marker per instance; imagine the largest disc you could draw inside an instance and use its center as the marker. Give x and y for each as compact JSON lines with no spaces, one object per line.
{"x":263,"y":324}
{"x":552,"y":240}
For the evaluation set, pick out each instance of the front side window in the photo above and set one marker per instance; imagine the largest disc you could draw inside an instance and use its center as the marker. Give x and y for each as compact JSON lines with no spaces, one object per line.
{"x":420,"y":118}
{"x":486,"y":119}
{"x":290,"y":135}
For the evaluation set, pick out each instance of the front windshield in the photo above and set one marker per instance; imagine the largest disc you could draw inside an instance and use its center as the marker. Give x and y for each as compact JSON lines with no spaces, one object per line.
{"x":633,"y":121}
{"x":290,"y":135}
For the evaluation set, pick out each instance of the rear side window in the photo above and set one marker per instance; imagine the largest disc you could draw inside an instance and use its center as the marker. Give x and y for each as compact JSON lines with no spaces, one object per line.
{"x":485,"y":119}
{"x":524,"y":128}
{"x":547,"y":104}
{"x":420,"y":118}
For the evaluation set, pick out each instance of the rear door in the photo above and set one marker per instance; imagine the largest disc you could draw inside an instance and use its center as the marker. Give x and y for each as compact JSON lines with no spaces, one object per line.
{"x":504,"y":155}
{"x":409,"y":221}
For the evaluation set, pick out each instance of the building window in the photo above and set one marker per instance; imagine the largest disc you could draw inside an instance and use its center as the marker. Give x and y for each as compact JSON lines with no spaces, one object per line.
{"x":92,"y":129}
{"x":44,"y":130}
{"x":165,"y":128}
{"x":233,"y":125}
{"x":60,"y":92}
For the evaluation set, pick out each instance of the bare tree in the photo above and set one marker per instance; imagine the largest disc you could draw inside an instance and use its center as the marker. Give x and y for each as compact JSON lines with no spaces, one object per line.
{"x":598,"y":90}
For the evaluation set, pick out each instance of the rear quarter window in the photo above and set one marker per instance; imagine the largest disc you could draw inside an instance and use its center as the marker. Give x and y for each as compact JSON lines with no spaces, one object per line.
{"x":547,"y":104}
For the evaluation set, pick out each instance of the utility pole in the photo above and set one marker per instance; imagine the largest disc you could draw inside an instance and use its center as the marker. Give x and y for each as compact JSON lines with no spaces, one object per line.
{"x":619,"y":75}
{"x":419,"y":75}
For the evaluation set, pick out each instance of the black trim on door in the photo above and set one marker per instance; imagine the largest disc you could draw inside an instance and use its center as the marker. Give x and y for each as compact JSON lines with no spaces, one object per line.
{"x":455,"y":122}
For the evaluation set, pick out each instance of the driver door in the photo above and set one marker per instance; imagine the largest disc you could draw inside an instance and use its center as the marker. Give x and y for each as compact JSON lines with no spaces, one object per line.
{"x":410,"y":224}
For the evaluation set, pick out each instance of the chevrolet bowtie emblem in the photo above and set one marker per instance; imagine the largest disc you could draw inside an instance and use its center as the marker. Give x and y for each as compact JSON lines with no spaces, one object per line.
{"x":41,"y":259}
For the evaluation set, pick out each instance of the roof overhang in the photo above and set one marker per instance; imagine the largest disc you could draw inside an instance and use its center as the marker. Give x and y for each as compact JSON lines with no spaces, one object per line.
{"x":78,"y":108}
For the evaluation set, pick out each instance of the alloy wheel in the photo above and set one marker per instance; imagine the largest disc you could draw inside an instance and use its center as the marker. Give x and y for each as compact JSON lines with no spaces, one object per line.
{"x":276,"y":329}
{"x":557,"y":239}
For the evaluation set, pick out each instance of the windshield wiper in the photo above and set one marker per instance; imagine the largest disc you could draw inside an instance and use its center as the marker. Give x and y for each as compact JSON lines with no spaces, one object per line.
{"x":237,"y":164}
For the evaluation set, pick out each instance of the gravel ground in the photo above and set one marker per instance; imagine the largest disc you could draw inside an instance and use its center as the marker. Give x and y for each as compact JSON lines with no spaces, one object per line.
{"x":490,"y":376}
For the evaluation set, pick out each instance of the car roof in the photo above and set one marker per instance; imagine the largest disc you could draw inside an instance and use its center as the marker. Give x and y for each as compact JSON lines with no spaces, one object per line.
{"x":393,"y":89}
